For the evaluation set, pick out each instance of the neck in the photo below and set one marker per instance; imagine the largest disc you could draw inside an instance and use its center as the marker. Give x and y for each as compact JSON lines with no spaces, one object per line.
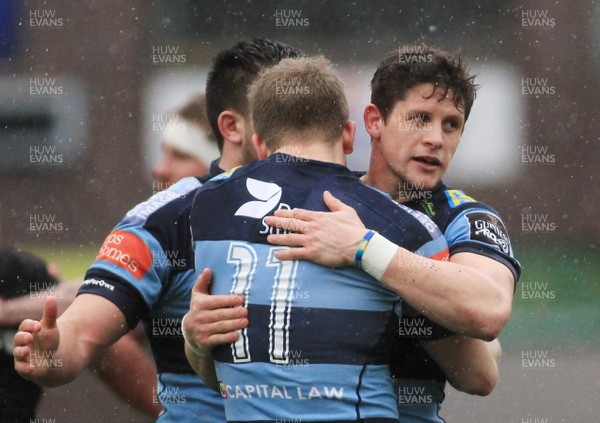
{"x":315,"y":150}
{"x":380,"y":175}
{"x":231,"y":157}
{"x":225,"y":163}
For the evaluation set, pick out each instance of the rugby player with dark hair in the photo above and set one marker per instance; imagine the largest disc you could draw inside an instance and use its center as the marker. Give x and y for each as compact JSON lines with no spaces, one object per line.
{"x":415,"y":119}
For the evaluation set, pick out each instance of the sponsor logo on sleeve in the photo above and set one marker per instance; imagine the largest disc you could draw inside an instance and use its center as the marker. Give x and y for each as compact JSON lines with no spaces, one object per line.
{"x":424,"y":220}
{"x":126,"y":251}
{"x":457,"y":197}
{"x":487,"y":228}
{"x":99,"y":283}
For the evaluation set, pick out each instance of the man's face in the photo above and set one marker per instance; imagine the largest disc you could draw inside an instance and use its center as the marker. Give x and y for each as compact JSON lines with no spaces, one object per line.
{"x":175,"y":165}
{"x":420,"y":137}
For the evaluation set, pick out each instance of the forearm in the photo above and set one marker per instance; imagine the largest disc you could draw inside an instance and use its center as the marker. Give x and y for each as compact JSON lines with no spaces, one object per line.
{"x":130,"y":372}
{"x":461,"y":298}
{"x":204,"y":368}
{"x":471,"y":295}
{"x":468,"y":363}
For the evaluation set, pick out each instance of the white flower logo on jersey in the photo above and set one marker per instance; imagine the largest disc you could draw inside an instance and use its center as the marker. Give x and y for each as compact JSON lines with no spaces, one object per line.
{"x":269,"y":195}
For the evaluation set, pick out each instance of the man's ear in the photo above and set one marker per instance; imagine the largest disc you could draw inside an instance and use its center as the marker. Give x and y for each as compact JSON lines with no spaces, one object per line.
{"x":260,"y":146}
{"x":348,"y":133}
{"x":373,"y":121}
{"x":229,"y":125}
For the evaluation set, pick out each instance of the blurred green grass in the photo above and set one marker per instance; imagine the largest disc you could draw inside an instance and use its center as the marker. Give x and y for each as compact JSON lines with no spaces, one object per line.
{"x":571,"y":318}
{"x":572,"y":277}
{"x":73,"y":261}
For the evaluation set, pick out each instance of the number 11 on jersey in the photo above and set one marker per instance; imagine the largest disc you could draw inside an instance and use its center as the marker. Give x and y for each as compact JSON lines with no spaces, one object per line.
{"x":244,"y":257}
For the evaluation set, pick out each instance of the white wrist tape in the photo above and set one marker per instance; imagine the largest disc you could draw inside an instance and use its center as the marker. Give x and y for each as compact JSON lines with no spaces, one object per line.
{"x":378,"y":255}
{"x":197,"y":350}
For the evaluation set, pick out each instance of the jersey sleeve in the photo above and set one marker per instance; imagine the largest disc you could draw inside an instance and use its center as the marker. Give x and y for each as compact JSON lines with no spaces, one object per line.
{"x":435,"y":247}
{"x":134,"y":264}
{"x":480,"y":230}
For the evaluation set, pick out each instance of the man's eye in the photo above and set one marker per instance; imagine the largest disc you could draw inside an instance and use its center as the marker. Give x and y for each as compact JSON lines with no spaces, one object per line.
{"x":451,"y":125}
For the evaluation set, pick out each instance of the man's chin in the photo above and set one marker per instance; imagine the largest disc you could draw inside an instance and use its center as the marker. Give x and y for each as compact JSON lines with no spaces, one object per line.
{"x":422,"y":182}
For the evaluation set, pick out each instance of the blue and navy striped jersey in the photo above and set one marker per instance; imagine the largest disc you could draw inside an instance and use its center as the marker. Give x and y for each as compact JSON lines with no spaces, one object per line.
{"x":146,"y":268}
{"x":317,"y":348}
{"x":469,"y":226}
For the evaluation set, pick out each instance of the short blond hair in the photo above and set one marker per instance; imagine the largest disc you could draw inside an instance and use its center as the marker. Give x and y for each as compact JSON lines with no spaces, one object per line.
{"x":298,"y":97}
